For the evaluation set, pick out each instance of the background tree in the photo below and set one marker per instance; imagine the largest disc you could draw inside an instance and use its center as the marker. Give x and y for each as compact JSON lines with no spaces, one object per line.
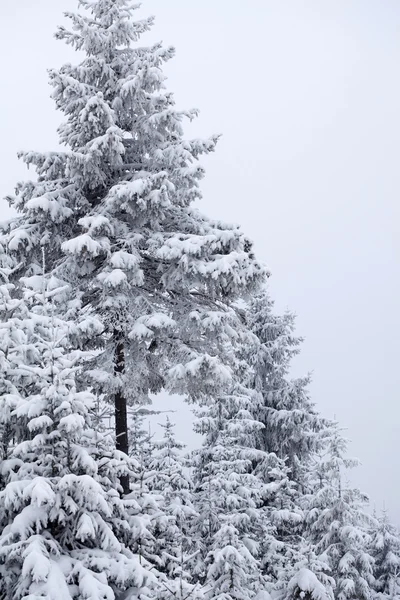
{"x":171,"y":480}
{"x":337,"y":522}
{"x":292,"y":425}
{"x":229,"y":491}
{"x":385,"y":550}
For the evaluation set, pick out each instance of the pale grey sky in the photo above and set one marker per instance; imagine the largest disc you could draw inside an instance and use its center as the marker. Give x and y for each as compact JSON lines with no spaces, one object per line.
{"x":307,"y":96}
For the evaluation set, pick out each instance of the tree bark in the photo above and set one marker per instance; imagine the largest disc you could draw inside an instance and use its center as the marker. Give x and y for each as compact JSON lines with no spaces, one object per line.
{"x":121,"y":416}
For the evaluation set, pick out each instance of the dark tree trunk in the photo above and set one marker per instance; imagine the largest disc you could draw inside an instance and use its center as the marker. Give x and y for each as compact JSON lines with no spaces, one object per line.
{"x":121,"y":417}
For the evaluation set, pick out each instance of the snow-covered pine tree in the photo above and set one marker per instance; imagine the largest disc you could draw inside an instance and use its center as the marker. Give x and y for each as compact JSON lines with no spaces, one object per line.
{"x":300,"y":572}
{"x":308,"y":579}
{"x":174,"y":540}
{"x":242,"y":481}
{"x":292,"y":426}
{"x":385,"y":550}
{"x":147,"y":515}
{"x":152,"y":506}
{"x":291,"y":434}
{"x":64,"y":531}
{"x":228,"y":497}
{"x":337,"y":522}
{"x":140,"y":437}
{"x":13,"y":381}
{"x":288,"y":429}
{"x":281,"y":521}
{"x":228,"y":491}
{"x":114,"y":211}
{"x":140,"y":447}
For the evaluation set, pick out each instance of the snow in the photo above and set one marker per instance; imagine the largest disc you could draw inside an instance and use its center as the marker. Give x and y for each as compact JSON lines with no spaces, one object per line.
{"x":83,"y":243}
{"x":306,"y":581}
{"x":113,"y":279}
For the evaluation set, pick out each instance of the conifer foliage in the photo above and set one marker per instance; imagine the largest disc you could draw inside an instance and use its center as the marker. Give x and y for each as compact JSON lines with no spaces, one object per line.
{"x":114,"y":287}
{"x":172,"y":481}
{"x":291,"y":423}
{"x":135,"y":274}
{"x":338,"y":522}
{"x":115,"y":211}
{"x":64,"y":532}
{"x":385,"y":550}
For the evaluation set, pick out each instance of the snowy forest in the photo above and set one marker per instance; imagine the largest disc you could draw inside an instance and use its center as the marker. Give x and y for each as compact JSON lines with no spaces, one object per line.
{"x":114,"y":288}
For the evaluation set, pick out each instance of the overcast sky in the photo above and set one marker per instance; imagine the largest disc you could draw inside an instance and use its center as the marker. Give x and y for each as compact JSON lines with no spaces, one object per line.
{"x":307,"y":97}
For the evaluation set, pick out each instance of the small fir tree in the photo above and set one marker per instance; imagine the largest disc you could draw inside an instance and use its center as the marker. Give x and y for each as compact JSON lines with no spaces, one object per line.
{"x":292,"y":425}
{"x":385,"y":550}
{"x":337,"y":521}
{"x":64,"y":530}
{"x":174,"y":541}
{"x":228,"y":491}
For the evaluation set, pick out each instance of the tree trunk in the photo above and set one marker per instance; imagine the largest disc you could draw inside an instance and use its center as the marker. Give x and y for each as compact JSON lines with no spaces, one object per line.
{"x":121,"y":416}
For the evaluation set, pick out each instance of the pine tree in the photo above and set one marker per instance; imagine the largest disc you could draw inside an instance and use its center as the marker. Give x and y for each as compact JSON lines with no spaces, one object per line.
{"x":174,"y":539}
{"x":295,"y":562}
{"x":287,"y":434}
{"x":245,"y":476}
{"x":306,"y":585}
{"x":281,"y":521}
{"x":230,"y":495}
{"x":337,"y":522}
{"x":64,"y":531}
{"x":140,"y":437}
{"x":11,"y":335}
{"x":385,"y":550}
{"x":172,"y":480}
{"x":292,"y":426}
{"x":141,"y":450}
{"x":229,"y":492}
{"x":114,"y":212}
{"x":146,"y":505}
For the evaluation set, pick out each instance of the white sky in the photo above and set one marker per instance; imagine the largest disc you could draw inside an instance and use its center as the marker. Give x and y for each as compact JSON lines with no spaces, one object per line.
{"x":307,"y":96}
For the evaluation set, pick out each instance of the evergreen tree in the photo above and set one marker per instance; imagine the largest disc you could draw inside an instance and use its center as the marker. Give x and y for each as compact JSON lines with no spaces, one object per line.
{"x":292,"y":426}
{"x":281,"y":521}
{"x":385,"y":550}
{"x":64,"y":530}
{"x":337,"y":521}
{"x":172,"y":480}
{"x":151,"y":511}
{"x":287,"y":436}
{"x":295,"y":438}
{"x":174,"y":538}
{"x":304,"y":584}
{"x":147,"y":514}
{"x":229,"y":492}
{"x":230,"y":495}
{"x":140,"y":446}
{"x":11,"y":379}
{"x":245,"y":476}
{"x":114,"y":213}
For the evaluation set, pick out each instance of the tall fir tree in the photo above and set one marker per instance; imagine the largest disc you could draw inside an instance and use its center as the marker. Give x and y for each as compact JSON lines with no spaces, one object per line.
{"x":114,"y":212}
